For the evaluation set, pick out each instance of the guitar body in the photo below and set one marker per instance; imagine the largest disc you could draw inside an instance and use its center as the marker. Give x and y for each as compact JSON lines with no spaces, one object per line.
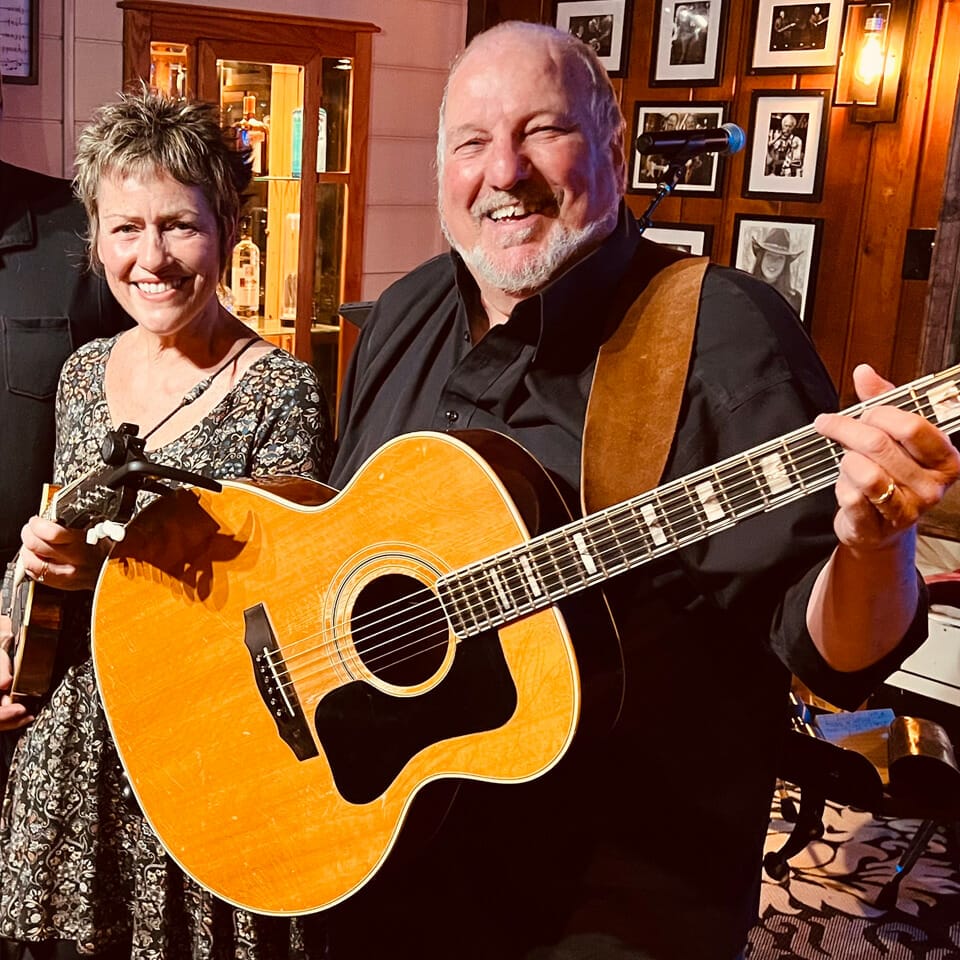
{"x":281,"y":681}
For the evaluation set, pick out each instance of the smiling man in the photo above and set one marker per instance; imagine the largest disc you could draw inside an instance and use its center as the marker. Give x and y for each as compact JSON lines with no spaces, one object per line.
{"x":646,"y":842}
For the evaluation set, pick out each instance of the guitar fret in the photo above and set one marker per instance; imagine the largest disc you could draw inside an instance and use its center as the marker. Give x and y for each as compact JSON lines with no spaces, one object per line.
{"x":584,"y":552}
{"x":568,"y":561}
{"x":654,"y":524}
{"x":693,"y":509}
{"x":607,"y":544}
{"x":645,"y":539}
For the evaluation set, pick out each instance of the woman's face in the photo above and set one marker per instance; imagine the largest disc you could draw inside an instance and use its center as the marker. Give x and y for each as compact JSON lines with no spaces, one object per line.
{"x":159,"y":242}
{"x":771,"y":265}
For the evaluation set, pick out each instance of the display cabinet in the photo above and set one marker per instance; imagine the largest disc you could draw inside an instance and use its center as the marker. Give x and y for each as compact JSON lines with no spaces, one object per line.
{"x":296,"y":90}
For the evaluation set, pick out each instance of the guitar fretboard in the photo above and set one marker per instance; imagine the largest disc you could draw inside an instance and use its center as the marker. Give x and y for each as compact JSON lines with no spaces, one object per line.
{"x":534,"y":575}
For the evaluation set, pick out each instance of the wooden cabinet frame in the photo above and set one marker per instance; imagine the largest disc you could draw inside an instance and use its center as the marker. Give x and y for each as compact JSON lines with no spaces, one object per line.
{"x":213,"y":33}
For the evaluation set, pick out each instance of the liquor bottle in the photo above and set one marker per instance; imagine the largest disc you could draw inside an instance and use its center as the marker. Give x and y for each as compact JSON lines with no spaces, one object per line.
{"x":296,"y":141}
{"x":254,"y":135}
{"x":245,"y":279}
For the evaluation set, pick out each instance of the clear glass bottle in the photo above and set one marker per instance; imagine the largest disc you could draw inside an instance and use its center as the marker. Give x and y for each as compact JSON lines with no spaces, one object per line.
{"x":290,"y":255}
{"x":254,"y":134}
{"x":245,"y":278}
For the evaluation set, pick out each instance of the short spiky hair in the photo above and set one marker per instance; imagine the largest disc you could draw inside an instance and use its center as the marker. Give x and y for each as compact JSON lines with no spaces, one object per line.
{"x":146,"y":131}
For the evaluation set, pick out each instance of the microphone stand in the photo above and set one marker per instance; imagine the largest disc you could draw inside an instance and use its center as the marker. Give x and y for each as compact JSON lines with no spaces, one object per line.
{"x":665,"y":186}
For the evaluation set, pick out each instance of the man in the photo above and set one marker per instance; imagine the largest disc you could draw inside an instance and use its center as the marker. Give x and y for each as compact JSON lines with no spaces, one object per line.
{"x":49,"y":304}
{"x":646,"y":842}
{"x":785,"y":150}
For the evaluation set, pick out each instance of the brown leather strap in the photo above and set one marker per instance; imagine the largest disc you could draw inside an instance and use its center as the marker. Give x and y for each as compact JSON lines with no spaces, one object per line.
{"x":637,"y":388}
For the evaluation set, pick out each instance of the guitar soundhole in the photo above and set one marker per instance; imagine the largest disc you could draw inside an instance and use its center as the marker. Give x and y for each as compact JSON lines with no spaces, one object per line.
{"x":399,"y":630}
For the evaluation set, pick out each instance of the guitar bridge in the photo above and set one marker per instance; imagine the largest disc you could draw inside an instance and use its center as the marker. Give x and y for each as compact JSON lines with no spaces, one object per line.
{"x":274,"y":685}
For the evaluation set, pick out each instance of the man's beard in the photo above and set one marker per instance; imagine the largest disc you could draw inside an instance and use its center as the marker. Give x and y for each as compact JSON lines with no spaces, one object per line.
{"x":564,"y":245}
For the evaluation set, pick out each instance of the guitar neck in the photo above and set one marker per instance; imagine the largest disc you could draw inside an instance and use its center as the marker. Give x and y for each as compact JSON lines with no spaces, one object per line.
{"x":583,"y":553}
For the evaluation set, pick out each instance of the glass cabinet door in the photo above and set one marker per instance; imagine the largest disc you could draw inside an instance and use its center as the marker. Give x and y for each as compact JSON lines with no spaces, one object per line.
{"x":299,"y":101}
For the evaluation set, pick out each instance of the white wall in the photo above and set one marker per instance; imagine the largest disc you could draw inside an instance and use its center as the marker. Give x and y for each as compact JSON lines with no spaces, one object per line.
{"x":418,"y":39}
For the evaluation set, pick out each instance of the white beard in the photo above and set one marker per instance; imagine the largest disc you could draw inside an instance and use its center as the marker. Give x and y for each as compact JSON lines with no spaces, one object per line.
{"x":564,"y":246}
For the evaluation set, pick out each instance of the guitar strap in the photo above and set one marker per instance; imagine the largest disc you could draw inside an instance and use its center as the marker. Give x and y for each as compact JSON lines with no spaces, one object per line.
{"x":637,"y":388}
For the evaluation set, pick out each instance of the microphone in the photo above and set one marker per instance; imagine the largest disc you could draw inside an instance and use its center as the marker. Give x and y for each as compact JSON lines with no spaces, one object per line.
{"x":683,"y":144}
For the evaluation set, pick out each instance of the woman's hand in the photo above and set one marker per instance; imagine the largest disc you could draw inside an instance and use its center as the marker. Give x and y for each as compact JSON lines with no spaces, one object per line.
{"x":61,"y":557}
{"x":12,"y":715}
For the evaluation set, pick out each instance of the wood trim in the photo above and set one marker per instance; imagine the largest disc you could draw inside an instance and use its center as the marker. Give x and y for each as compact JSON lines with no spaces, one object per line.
{"x":183,"y":14}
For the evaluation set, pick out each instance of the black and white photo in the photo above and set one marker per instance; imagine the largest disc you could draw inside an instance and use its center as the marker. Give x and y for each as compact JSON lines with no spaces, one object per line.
{"x":782,"y":252}
{"x":796,"y":37}
{"x":603,"y":24}
{"x":787,"y":138}
{"x":692,"y":238}
{"x":19,"y":32}
{"x":702,"y":173}
{"x":687,"y":42}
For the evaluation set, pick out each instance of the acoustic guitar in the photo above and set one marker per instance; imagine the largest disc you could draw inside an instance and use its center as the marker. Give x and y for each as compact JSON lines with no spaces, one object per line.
{"x":282,"y":677}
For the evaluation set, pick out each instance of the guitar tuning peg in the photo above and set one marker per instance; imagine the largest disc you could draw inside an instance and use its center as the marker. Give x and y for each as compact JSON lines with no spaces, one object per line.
{"x":106,"y":528}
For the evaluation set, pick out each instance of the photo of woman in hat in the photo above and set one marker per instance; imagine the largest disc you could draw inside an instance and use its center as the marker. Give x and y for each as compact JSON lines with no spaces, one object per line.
{"x":774,"y":254}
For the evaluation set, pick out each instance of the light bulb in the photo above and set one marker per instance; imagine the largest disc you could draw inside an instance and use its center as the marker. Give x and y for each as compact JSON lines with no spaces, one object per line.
{"x":869,"y":66}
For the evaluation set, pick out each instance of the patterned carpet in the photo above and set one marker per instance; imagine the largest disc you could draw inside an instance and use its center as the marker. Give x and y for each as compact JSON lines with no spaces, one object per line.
{"x":825,"y":906}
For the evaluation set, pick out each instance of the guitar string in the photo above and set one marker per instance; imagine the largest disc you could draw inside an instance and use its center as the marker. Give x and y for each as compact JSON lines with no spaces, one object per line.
{"x":665,"y":501}
{"x":667,"y":512}
{"x":374,"y":663}
{"x":416,"y":631}
{"x":432,"y":602}
{"x":678,"y":534}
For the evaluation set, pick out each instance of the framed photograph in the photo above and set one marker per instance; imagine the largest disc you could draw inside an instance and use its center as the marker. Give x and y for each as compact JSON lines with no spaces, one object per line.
{"x":703,"y":173}
{"x":795,"y":36}
{"x":788,"y":145}
{"x":783,"y":252}
{"x":695,"y":238}
{"x":19,"y":34}
{"x":604,"y":24}
{"x":687,"y":43}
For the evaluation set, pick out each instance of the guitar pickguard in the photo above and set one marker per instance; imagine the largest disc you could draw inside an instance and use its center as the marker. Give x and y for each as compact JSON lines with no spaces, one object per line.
{"x":369,"y":735}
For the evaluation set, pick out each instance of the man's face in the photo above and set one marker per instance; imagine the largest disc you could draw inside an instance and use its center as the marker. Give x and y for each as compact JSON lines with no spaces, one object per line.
{"x":787,"y":125}
{"x":525,"y":186}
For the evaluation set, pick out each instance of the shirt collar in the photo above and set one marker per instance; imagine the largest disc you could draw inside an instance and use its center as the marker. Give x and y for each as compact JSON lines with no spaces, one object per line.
{"x":577,"y":301}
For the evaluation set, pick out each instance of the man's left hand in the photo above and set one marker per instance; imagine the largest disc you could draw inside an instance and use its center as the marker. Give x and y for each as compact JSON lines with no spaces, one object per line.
{"x":896,"y":465}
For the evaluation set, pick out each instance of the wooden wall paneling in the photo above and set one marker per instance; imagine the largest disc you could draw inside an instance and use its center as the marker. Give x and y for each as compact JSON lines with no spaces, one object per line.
{"x":941,"y":209}
{"x":944,"y":71}
{"x":889,"y":191}
{"x":848,"y":159}
{"x":939,"y":347}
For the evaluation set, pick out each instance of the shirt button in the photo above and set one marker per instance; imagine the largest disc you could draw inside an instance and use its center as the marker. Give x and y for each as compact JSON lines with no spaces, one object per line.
{"x":452,"y":416}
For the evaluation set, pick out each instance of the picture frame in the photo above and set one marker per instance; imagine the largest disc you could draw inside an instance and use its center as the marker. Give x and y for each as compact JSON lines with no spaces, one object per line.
{"x":796,"y":36}
{"x":688,"y":40}
{"x":692,"y":238}
{"x":19,"y":41}
{"x":704,"y":173}
{"x":781,"y":251}
{"x":788,"y":145}
{"x":604,"y":24}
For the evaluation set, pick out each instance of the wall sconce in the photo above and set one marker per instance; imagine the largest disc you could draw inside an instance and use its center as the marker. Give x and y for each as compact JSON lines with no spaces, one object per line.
{"x":872,"y":59}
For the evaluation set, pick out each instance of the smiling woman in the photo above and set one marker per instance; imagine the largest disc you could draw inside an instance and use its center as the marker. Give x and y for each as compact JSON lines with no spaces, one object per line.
{"x":162,"y":189}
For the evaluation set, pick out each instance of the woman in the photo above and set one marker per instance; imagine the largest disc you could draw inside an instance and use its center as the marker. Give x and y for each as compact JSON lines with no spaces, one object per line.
{"x":774,"y":254}
{"x":81,"y":872}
